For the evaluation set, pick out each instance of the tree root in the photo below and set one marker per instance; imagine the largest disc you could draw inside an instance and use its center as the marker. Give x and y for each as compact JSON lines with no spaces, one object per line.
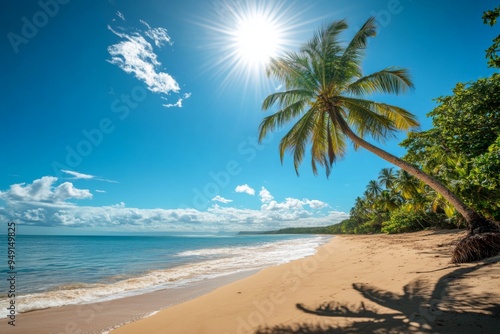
{"x":477,"y":246}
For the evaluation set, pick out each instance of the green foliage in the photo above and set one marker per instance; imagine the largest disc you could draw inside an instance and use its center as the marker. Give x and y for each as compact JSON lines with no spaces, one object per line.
{"x":346,"y":226}
{"x":402,"y":221}
{"x":462,"y":150}
{"x":302,"y":230}
{"x":490,"y":17}
{"x":485,"y":168}
{"x":469,"y":120}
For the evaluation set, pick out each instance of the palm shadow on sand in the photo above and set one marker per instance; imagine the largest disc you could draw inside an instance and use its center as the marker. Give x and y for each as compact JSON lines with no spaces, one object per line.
{"x":420,"y":309}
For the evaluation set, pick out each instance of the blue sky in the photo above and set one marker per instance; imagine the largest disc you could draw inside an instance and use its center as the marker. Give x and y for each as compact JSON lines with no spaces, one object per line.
{"x":128,"y":116}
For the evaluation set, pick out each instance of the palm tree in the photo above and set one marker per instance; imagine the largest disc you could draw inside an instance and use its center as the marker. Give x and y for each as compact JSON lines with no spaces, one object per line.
{"x":406,"y":184}
{"x":373,"y":189}
{"x":325,"y":89}
{"x":386,"y":177}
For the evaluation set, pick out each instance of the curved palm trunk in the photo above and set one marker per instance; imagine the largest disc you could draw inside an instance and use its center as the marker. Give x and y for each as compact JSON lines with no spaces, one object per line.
{"x":483,"y":239}
{"x":476,"y":222}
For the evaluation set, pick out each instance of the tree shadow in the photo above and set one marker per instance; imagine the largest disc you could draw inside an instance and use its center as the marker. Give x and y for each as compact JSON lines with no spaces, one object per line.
{"x":448,"y":307}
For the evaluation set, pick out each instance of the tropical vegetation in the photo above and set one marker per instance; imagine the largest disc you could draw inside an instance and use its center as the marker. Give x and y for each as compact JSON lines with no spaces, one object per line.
{"x":324,"y":91}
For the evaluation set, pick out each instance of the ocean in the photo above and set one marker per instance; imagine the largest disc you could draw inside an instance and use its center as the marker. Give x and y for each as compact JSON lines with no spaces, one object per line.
{"x":63,"y":270}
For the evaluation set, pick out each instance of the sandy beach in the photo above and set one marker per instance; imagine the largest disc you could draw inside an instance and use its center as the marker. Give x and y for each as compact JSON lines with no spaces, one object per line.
{"x":354,"y":284}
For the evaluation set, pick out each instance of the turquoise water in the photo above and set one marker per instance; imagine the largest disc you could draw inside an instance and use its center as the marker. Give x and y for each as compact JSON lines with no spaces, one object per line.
{"x":62,"y":270}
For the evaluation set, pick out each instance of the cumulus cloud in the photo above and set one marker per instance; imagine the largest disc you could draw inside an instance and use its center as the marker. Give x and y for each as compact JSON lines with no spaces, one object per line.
{"x":44,"y":203}
{"x":316,"y":204}
{"x":124,"y":219}
{"x":136,"y":56}
{"x":43,"y":190}
{"x":265,"y":195}
{"x":221,"y":199}
{"x":293,"y":204}
{"x":245,"y":188}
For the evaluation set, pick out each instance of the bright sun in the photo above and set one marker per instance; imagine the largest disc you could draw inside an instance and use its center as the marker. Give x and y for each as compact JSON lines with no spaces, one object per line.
{"x":257,"y":39}
{"x":245,"y":35}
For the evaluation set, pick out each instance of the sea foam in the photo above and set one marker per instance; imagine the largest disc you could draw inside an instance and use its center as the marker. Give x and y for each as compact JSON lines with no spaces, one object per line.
{"x":198,"y":265}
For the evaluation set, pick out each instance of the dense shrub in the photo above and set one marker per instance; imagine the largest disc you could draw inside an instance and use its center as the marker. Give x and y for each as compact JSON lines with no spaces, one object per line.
{"x":402,"y":221}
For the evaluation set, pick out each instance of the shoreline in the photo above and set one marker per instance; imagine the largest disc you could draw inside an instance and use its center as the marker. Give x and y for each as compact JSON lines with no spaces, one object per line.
{"x":400,"y":283}
{"x":102,"y":317}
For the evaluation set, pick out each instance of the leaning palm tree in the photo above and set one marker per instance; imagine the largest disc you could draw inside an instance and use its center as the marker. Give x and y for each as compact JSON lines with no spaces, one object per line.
{"x":325,"y":89}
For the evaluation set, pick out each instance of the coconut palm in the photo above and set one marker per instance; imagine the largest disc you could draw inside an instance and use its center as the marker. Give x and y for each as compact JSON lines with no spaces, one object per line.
{"x":373,"y":189}
{"x":406,"y":184}
{"x":325,"y":89}
{"x":386,"y":177}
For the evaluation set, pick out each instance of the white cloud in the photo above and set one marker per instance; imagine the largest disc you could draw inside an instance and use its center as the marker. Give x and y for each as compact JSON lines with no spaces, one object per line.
{"x":177,"y":104}
{"x":245,"y":188}
{"x":293,"y":204}
{"x":125,"y":219}
{"x":81,"y":176}
{"x":67,"y":190}
{"x":42,"y":203}
{"x":43,"y":190}
{"x":135,"y":56}
{"x":316,"y":204}
{"x":265,"y":195}
{"x":120,"y":15}
{"x":221,"y":199}
{"x":100,"y":191}
{"x":158,"y":35}
{"x":78,"y":175}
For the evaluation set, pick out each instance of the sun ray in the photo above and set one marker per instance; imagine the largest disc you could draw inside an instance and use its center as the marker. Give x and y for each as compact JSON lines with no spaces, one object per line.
{"x":244,"y":35}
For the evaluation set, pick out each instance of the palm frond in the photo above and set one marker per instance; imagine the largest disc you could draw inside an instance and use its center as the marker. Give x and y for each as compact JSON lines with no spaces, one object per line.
{"x":327,"y":144}
{"x":280,"y":118}
{"x":392,"y":80}
{"x":366,"y":118}
{"x":325,"y":40}
{"x":372,"y":117}
{"x":294,"y":70}
{"x":347,"y":66}
{"x":402,"y":118}
{"x":297,"y":138}
{"x":358,"y":43}
{"x":286,"y":98}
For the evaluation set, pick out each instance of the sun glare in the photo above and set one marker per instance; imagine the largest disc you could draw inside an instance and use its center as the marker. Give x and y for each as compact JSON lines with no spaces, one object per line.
{"x":244,"y":35}
{"x":257,"y":39}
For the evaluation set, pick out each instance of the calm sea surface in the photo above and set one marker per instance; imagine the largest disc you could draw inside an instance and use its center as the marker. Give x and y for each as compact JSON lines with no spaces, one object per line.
{"x":62,"y":270}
